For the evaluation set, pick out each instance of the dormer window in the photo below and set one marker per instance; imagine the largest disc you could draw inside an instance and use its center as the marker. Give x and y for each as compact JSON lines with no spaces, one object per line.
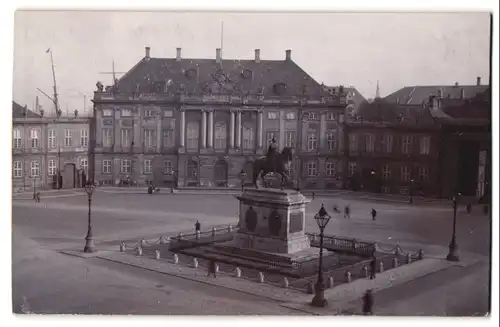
{"x":191,"y":73}
{"x":246,"y":73}
{"x":280,"y":88}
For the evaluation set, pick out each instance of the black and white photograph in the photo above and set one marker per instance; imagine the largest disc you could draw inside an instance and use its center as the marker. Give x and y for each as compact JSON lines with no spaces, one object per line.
{"x":239,"y":163}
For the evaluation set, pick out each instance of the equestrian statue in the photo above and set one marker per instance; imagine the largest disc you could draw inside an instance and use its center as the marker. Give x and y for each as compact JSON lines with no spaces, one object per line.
{"x":274,"y":162}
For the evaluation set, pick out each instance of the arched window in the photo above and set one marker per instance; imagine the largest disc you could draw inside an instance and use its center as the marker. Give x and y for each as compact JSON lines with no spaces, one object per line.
{"x":220,"y":135}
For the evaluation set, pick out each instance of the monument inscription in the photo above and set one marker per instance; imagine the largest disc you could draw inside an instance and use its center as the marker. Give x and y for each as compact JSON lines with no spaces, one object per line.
{"x":296,"y":222}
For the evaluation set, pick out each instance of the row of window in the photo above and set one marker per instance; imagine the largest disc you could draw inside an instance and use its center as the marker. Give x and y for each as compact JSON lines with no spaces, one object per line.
{"x":128,"y":113}
{"x":387,"y":143}
{"x":405,"y":172}
{"x":35,"y":138}
{"x":35,"y":167}
{"x":126,"y":166}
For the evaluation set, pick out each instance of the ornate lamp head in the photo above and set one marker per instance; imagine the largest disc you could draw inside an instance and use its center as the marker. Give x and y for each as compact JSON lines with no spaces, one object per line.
{"x":90,"y":187}
{"x":322,"y":217}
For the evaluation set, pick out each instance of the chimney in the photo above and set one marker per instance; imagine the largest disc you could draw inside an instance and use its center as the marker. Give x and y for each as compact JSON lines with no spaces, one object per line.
{"x":147,"y":52}
{"x":456,"y":84}
{"x":217,"y":55}
{"x":178,"y":57}
{"x":478,"y":81}
{"x":462,"y":93}
{"x":257,"y":55}
{"x":288,"y":55}
{"x":37,"y":105}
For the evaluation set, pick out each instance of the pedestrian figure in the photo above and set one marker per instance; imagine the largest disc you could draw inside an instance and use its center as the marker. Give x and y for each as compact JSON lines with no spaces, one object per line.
{"x":373,"y":267}
{"x":468,"y":208}
{"x":313,"y":194}
{"x":38,"y":197}
{"x":197,"y":226}
{"x":374,"y":214}
{"x":347,"y":212}
{"x":368,"y":303}
{"x":211,"y":269}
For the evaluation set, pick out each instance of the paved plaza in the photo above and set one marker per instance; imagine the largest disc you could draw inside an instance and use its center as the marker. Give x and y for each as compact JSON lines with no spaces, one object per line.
{"x":59,"y":222}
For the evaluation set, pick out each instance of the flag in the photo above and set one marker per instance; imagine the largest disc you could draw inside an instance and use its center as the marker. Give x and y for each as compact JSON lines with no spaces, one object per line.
{"x":48,"y":50}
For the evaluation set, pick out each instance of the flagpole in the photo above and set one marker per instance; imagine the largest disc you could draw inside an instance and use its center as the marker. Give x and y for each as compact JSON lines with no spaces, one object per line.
{"x":56,"y":101}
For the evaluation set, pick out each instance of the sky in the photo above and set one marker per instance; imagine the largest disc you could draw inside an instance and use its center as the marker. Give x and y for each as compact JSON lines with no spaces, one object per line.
{"x":397,"y":49}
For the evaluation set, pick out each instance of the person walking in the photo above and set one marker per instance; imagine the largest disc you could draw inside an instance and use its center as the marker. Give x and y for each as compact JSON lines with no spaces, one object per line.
{"x":347,"y":212}
{"x":374,"y":214}
{"x":468,"y":208}
{"x":197,"y":226}
{"x":368,"y":303}
{"x":313,"y":195}
{"x":373,"y":267}
{"x":211,"y":269}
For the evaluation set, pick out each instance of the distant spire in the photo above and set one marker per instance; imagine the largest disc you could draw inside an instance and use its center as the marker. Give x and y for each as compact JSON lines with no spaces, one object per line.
{"x":377,"y":92}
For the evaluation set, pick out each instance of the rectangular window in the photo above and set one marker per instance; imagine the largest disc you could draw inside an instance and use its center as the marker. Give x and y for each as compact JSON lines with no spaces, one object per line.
{"x":248,"y":142}
{"x":148,"y":113}
{"x":126,"y":112}
{"x":270,"y":136}
{"x":290,"y":139}
{"x":148,"y":167}
{"x":290,"y":115}
{"x":52,"y":167}
{"x":168,"y":167}
{"x":52,"y":138}
{"x":330,"y":169}
{"x":149,"y":138}
{"x":168,"y":113}
{"x":18,"y":169}
{"x":107,"y":136}
{"x":125,"y":166}
{"x":192,"y":134}
{"x":313,"y":116}
{"x":35,"y":139}
{"x":369,"y":143}
{"x":106,"y":166}
{"x":126,"y":135}
{"x":352,"y":168}
{"x":68,"y":138}
{"x":406,"y":144}
{"x":220,"y":136}
{"x":311,"y":168}
{"x":386,"y":172}
{"x":330,"y":116}
{"x":423,"y":174}
{"x":353,"y":142}
{"x":35,"y":168}
{"x":405,"y":174}
{"x":387,"y":143}
{"x":84,"y":164}
{"x":312,"y":142}
{"x":84,"y":137}
{"x":272,"y":115}
{"x":18,"y":140}
{"x":168,"y":138}
{"x":425,"y":144}
{"x":107,"y":112}
{"x":330,"y":141}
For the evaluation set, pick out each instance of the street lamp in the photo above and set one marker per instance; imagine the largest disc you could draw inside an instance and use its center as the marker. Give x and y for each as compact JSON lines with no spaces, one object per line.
{"x":89,"y":244}
{"x":34,"y":187}
{"x":242,"y":175}
{"x":453,"y":254}
{"x":411,"y":191}
{"x":322,"y":218}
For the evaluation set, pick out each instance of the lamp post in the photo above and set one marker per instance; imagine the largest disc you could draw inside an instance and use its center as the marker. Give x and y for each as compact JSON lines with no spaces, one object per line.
{"x":59,"y":167}
{"x":411,"y":191}
{"x":34,"y":187}
{"x":242,"y":175}
{"x":453,"y":254}
{"x":89,"y":244}
{"x":322,"y":218}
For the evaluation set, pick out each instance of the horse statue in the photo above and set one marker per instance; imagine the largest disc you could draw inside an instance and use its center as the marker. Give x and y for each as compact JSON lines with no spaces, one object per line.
{"x":274,"y":162}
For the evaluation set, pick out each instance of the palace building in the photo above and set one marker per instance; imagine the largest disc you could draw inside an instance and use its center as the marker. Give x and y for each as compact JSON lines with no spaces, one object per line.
{"x":182,"y":122}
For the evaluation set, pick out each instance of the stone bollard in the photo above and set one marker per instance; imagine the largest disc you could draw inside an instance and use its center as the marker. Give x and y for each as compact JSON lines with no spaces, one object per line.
{"x":122,"y":247}
{"x":310,"y":288}
{"x":348,"y":276}
{"x":143,"y":243}
{"x":261,"y":277}
{"x":397,"y":251}
{"x":157,"y":254}
{"x":176,"y":258}
{"x":238,"y":272}
{"x":195,"y":263}
{"x":198,"y":234}
{"x":381,"y":267}
{"x":162,"y":240}
{"x":139,"y":251}
{"x":420,"y":254}
{"x":365,"y":271}
{"x":216,"y":266}
{"x":408,"y":258}
{"x":229,"y":228}
{"x":394,"y":262}
{"x":285,"y":282}
{"x":330,"y":282}
{"x":179,"y":236}
{"x":214,"y":231}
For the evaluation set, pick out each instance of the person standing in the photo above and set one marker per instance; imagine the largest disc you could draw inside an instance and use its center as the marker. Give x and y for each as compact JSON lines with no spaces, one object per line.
{"x":374,"y":214}
{"x":197,"y":226}
{"x":368,"y":303}
{"x":373,"y":267}
{"x":347,"y":212}
{"x":211,"y":269}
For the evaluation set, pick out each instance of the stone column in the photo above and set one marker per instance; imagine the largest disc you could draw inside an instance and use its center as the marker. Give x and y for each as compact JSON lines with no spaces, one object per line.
{"x":203,"y":129}
{"x":182,"y":129}
{"x":210,"y":129}
{"x":231,"y":130}
{"x":259,"y":129}
{"x":322,"y":131}
{"x":238,"y":130}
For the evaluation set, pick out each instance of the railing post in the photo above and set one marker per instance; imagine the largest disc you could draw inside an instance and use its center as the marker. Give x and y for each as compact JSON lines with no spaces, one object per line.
{"x":348,"y":277}
{"x":195,"y":263}
{"x":285,"y":282}
{"x":157,"y":254}
{"x":330,"y":282}
{"x":229,"y":228}
{"x":143,"y":243}
{"x":381,"y":267}
{"x":214,"y":231}
{"x":420,"y":254}
{"x":408,"y":258}
{"x":179,"y":236}
{"x":238,"y":272}
{"x":310,"y":288}
{"x":176,"y":258}
{"x":394,"y":262}
{"x":365,"y":270}
{"x":261,"y":277}
{"x":139,"y":251}
{"x":122,"y":247}
{"x":198,"y":234}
